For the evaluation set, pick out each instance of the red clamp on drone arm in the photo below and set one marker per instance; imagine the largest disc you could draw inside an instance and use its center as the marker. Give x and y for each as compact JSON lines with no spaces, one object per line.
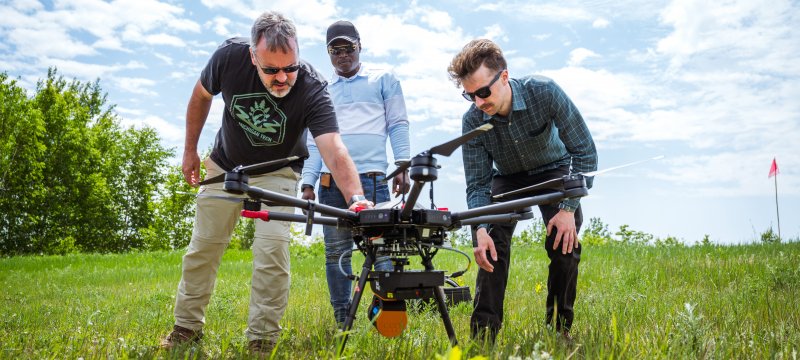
{"x":263,"y":215}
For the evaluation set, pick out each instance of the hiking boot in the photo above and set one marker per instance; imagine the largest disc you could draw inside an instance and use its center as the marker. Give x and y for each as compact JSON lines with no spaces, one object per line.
{"x":179,"y":336}
{"x":261,"y":348}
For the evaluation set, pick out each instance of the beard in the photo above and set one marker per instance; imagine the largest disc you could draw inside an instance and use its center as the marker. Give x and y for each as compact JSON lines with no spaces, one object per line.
{"x":282,"y":92}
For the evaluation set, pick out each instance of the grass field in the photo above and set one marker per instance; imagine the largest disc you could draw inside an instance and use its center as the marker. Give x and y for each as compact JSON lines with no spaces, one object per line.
{"x":634,"y":301}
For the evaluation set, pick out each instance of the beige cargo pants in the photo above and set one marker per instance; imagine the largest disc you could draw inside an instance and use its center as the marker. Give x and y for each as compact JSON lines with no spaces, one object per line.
{"x":214,"y":223}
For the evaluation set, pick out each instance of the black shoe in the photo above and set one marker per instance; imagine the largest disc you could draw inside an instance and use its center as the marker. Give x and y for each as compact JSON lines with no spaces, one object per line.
{"x":179,"y":336}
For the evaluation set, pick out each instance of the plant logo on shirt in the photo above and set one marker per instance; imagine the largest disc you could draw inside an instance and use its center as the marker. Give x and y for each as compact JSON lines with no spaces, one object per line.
{"x":260,"y":118}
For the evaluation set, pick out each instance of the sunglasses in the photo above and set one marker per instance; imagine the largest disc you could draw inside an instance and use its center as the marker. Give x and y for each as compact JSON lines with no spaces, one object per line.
{"x":483,"y":92}
{"x":341,"y":49}
{"x":275,"y":70}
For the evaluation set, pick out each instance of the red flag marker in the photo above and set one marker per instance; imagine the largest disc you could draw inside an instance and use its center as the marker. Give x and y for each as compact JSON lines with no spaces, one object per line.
{"x":773,"y":170}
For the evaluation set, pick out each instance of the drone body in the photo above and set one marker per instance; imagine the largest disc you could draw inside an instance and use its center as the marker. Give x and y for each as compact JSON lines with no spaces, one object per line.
{"x":406,"y":229}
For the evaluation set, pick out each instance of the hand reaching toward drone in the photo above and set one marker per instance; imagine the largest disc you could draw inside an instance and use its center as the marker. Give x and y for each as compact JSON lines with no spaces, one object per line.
{"x":485,"y":243}
{"x":361,"y":205}
{"x":401,"y":184}
{"x":308,"y":194}
{"x":566,"y":234}
{"x":191,"y":167}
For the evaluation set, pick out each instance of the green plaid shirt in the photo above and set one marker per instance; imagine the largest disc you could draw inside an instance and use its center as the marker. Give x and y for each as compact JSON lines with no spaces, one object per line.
{"x":543,"y":131}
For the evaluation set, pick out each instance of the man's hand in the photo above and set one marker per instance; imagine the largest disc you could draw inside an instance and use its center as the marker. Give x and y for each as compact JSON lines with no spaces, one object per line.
{"x":308,"y":194}
{"x":364,"y":204}
{"x":191,"y":167}
{"x":401,"y":183}
{"x":567,"y":235}
{"x":485,"y":243}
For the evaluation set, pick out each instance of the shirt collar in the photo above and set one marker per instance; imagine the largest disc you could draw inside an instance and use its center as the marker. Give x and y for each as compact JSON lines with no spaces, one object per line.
{"x":517,"y":102}
{"x":336,"y":77}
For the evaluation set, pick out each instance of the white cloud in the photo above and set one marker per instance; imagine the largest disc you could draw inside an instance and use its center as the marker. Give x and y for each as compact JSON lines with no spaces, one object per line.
{"x":541,"y":37}
{"x":164,"y":39}
{"x":26,"y":5}
{"x":577,"y":56}
{"x":170,"y":134}
{"x":141,"y":86}
{"x":166,"y":59}
{"x":49,"y":40}
{"x":220,"y":25}
{"x":311,"y":17}
{"x":495,"y":32}
{"x":600,"y":23}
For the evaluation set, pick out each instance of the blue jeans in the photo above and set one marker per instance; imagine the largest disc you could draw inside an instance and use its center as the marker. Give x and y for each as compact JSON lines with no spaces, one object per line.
{"x":339,"y":241}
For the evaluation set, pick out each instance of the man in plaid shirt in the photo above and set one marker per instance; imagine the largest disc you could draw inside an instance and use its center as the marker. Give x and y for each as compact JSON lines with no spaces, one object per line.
{"x":538,"y":135}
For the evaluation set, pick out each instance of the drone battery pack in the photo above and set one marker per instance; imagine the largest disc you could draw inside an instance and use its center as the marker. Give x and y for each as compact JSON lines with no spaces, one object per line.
{"x":388,"y":316}
{"x":376,"y":217}
{"x":434,"y":217}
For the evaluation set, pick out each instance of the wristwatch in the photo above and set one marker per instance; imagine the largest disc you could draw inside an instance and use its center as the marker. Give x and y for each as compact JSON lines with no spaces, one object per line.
{"x":304,"y":186}
{"x":355,"y":199}
{"x":566,"y":207}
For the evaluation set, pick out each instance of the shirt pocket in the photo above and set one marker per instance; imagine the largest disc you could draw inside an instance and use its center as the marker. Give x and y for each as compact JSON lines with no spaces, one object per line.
{"x":534,"y":139}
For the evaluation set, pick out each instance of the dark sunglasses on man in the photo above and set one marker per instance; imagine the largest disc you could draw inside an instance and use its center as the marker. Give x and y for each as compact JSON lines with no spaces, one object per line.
{"x":483,"y":92}
{"x":275,"y":70}
{"x":342,"y":49}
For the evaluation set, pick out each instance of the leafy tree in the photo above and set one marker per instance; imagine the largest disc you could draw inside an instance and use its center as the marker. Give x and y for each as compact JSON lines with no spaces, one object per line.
{"x":173,"y":213}
{"x":595,"y":233}
{"x":22,"y":169}
{"x":535,"y":233}
{"x":71,"y":178}
{"x":770,"y":237}
{"x":628,"y":236}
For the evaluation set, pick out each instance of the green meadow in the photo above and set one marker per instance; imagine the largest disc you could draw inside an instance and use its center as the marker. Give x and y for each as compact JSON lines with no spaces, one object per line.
{"x":634,"y":301}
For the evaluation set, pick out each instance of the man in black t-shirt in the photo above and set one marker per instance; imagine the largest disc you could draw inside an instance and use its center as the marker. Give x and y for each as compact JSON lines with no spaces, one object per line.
{"x":271,"y":97}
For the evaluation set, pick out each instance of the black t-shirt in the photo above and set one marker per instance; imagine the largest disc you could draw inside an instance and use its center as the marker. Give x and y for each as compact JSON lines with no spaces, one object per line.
{"x":256,"y":126}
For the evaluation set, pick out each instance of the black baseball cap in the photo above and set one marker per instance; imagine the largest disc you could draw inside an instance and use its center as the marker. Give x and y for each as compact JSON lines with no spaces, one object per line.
{"x":343,"y":30}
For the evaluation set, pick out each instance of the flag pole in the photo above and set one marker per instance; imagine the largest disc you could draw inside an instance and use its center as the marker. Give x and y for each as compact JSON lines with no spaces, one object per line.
{"x":777,"y":212}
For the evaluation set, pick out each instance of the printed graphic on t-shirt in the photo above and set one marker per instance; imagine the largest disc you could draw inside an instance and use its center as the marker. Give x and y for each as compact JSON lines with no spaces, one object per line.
{"x":260,"y":118}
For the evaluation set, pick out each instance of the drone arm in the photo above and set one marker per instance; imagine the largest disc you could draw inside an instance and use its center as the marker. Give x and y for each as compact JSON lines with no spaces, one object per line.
{"x":280,"y":216}
{"x":506,"y":207}
{"x":416,"y":189}
{"x":497,"y":219}
{"x":261,"y":194}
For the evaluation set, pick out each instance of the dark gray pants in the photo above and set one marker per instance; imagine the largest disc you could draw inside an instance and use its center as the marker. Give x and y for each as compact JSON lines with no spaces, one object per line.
{"x":563,"y":271}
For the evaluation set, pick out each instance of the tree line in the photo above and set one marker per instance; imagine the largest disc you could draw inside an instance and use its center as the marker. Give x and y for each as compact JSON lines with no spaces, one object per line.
{"x":72,"y":179}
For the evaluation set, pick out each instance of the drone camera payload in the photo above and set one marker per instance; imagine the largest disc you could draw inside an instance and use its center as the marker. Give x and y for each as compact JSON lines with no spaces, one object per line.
{"x":388,"y":316}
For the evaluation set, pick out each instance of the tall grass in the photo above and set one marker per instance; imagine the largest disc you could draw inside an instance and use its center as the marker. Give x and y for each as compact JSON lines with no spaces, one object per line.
{"x":634,"y":301}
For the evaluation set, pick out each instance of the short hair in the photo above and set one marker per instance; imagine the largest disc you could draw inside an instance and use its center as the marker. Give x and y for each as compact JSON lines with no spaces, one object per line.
{"x":476,"y":53}
{"x":278,"y":31}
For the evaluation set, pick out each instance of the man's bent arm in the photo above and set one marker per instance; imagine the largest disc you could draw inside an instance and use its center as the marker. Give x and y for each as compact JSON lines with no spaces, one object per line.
{"x":335,"y":155}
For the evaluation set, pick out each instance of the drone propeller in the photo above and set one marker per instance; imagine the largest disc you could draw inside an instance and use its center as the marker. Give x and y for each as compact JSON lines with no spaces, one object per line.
{"x":445,"y":149}
{"x":560,"y":181}
{"x":250,"y":169}
{"x":598,"y":172}
{"x":542,"y":185}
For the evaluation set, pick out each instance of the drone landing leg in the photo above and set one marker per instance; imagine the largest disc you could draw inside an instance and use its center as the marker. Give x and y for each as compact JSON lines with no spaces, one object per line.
{"x":359,"y":290}
{"x":438,"y":293}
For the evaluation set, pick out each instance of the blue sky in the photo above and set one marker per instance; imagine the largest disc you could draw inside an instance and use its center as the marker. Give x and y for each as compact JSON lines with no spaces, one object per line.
{"x":712,"y":86}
